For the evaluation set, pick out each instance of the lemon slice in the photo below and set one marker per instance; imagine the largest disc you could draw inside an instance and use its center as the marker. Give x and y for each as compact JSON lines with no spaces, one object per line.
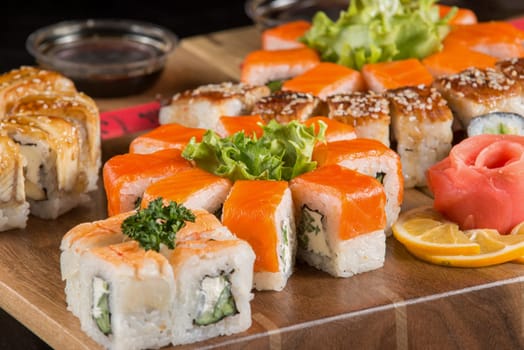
{"x":425,"y":231}
{"x":494,"y":249}
{"x":518,"y":230}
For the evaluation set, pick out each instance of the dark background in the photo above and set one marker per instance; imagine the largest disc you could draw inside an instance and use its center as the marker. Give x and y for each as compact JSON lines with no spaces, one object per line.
{"x":185,"y":18}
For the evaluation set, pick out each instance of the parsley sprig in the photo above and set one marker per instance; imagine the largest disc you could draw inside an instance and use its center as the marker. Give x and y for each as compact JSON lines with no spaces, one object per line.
{"x":157,"y":224}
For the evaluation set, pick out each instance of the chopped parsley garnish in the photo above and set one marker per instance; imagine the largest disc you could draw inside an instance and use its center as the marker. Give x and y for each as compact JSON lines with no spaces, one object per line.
{"x":157,"y":224}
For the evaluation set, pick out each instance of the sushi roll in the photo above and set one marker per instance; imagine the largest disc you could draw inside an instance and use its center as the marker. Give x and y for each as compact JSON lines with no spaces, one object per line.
{"x":513,"y":69}
{"x":213,"y":281}
{"x":261,"y":212}
{"x":341,"y":220}
{"x":127,"y":297}
{"x":76,"y":242}
{"x":474,"y":92}
{"x":249,"y":124}
{"x":495,"y":38}
{"x":262,"y":66}
{"x":201,"y":107}
{"x":285,"y":36}
{"x":383,"y":76}
{"x":27,"y":80}
{"x":50,"y":145}
{"x":195,"y":188}
{"x":126,"y":176}
{"x":326,"y":79}
{"x":285,"y":106}
{"x":462,"y":15}
{"x":422,"y":128}
{"x":78,"y":109}
{"x":367,"y":112}
{"x":14,"y":209}
{"x":335,"y":131}
{"x":372,"y":158}
{"x":206,"y":226}
{"x":496,"y":123}
{"x":168,"y":136}
{"x":454,"y":59}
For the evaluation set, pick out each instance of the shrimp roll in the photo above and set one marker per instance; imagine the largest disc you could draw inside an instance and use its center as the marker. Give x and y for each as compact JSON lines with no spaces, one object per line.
{"x":261,"y":212}
{"x":14,"y":209}
{"x":126,"y":296}
{"x":50,"y":145}
{"x":80,"y":239}
{"x":422,"y":127}
{"x":126,"y":176}
{"x":165,"y":137}
{"x":213,"y":281}
{"x":195,"y":188}
{"x":341,"y":220}
{"x":369,"y":157}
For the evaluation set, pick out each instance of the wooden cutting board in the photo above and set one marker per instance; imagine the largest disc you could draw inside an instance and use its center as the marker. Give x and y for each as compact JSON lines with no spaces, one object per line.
{"x":406,"y":304}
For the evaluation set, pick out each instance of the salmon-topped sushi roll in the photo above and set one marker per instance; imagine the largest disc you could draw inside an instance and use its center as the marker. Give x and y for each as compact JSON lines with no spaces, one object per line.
{"x":261,"y":212}
{"x":285,"y":106}
{"x":285,"y":36}
{"x":367,"y":112}
{"x":455,"y":59}
{"x":201,"y":107}
{"x":76,"y":242}
{"x":462,"y":15}
{"x":422,"y":128}
{"x":167,"y":136}
{"x":262,"y":66}
{"x":249,"y":124}
{"x":494,"y":38}
{"x":341,"y":222}
{"x":475,"y":92}
{"x":391,"y":75}
{"x":127,"y":296}
{"x":335,"y":130}
{"x":326,"y":79}
{"x":195,"y":188}
{"x":213,"y":282}
{"x":372,"y":158}
{"x":126,"y":176}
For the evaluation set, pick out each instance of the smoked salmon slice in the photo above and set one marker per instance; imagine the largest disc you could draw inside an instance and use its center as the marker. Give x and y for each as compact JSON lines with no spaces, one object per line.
{"x":249,"y":124}
{"x":165,"y":136}
{"x":454,"y":59}
{"x":462,"y":16}
{"x":262,"y":66}
{"x":285,"y":36}
{"x":326,"y":79}
{"x":391,"y":75}
{"x":335,"y":131}
{"x":126,"y":176}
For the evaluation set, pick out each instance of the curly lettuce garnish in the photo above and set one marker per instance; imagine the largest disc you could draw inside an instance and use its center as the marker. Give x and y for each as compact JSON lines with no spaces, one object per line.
{"x":281,"y":153}
{"x":157,"y":224}
{"x":373,"y":31}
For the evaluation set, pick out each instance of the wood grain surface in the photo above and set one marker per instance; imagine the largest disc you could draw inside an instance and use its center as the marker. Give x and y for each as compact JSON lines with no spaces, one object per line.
{"x":407,"y":304}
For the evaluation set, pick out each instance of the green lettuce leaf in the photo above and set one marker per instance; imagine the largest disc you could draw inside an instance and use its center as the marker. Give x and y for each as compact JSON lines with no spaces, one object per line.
{"x":373,"y":31}
{"x":281,"y":153}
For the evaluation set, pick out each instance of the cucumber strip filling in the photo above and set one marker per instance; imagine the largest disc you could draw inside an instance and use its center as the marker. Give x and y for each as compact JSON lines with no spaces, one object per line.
{"x":285,"y":249}
{"x":215,"y":300}
{"x":311,"y":235}
{"x":100,"y":311}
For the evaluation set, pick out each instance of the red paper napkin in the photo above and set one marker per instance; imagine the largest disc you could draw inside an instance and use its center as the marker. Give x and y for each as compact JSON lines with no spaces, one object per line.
{"x":129,"y":120}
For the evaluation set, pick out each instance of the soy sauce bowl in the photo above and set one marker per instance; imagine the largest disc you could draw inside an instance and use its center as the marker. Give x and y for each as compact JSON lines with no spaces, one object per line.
{"x":104,"y":57}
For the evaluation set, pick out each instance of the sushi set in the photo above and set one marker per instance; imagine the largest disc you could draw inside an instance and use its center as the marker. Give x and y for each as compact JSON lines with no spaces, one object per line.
{"x":285,"y":231}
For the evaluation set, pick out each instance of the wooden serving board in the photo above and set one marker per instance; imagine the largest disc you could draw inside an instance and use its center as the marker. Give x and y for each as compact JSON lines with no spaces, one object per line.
{"x":407,"y":304}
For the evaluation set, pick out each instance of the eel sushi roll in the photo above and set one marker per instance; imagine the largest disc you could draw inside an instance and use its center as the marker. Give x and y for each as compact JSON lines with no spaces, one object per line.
{"x":261,"y":212}
{"x":50,"y":145}
{"x":77,"y":241}
{"x":127,"y":297}
{"x":341,"y":220}
{"x":166,"y":136}
{"x":285,"y":106}
{"x":213,"y":281}
{"x":14,"y":208}
{"x":194,"y":188}
{"x":367,"y":112}
{"x":372,"y":158}
{"x":78,"y":109}
{"x":422,"y":127}
{"x":475,"y":92}
{"x":201,"y":107}
{"x":126,"y":176}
